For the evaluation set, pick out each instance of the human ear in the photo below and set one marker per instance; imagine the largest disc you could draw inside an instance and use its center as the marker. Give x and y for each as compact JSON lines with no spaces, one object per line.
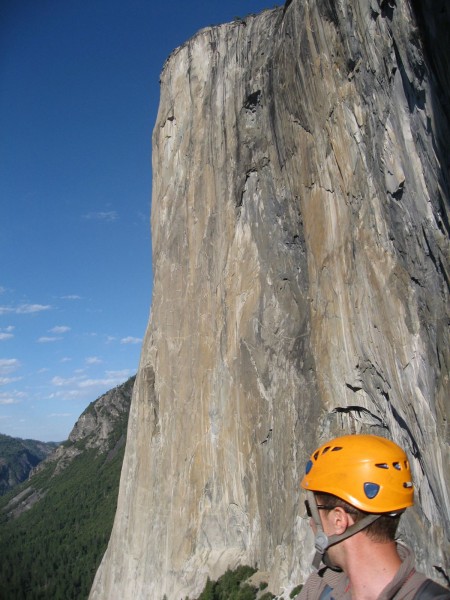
{"x":341,"y":520}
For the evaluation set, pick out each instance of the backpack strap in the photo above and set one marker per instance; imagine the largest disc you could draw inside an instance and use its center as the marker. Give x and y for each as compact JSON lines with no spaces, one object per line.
{"x":431,"y":590}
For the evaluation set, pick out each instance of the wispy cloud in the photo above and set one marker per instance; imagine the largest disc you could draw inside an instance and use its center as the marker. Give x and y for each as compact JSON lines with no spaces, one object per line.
{"x":47,"y":339}
{"x":130,"y":340}
{"x":5,"y":336}
{"x":108,"y":382}
{"x":120,"y":375}
{"x":93,"y":360}
{"x":9,"y":365}
{"x":24,"y":309}
{"x":8,"y":380}
{"x":6,"y":333}
{"x":4,"y":401}
{"x":108,"y":216}
{"x":80,"y":382}
{"x":59,"y":329}
{"x":71,"y":297}
{"x":62,"y":381}
{"x":57,"y":415}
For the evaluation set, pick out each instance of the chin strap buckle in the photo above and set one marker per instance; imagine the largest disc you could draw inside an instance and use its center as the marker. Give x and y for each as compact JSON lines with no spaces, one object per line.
{"x":321,"y":542}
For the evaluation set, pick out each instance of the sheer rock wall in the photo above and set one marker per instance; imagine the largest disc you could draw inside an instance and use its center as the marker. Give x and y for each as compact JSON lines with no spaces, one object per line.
{"x":301,"y":259}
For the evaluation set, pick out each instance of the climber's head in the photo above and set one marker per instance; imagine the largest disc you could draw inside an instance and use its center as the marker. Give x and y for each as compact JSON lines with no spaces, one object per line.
{"x":365,"y":475}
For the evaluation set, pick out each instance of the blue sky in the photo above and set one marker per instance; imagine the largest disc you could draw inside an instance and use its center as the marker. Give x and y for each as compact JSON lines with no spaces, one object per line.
{"x":79,"y":93}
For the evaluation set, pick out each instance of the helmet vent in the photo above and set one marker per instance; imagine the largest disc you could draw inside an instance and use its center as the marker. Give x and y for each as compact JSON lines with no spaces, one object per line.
{"x":336,"y":448}
{"x":316,"y":455}
{"x":325,"y":450}
{"x":408,"y":484}
{"x":397,"y":466}
{"x":382,"y":466}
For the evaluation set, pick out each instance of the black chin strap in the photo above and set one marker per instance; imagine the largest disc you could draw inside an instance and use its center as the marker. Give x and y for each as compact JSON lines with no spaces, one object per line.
{"x":322,"y":542}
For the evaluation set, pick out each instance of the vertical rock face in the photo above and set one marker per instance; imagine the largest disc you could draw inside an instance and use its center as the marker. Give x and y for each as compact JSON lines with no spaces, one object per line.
{"x":300,"y":246}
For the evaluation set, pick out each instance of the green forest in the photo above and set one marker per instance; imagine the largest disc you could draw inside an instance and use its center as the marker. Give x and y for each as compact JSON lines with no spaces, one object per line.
{"x":234,"y":585}
{"x":53,"y":551}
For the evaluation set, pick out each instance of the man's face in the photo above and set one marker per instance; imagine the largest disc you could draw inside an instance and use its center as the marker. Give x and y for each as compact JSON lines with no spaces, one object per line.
{"x":334,"y":520}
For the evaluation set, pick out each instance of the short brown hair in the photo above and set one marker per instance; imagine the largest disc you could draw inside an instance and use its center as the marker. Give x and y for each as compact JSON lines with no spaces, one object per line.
{"x":383,"y":529}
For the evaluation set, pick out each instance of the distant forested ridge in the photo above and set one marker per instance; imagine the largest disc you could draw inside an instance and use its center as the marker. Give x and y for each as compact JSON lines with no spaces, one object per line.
{"x":55,"y":527}
{"x":18,"y":457}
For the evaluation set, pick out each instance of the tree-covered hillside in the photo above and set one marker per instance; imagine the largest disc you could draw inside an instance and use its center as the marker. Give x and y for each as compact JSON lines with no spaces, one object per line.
{"x":55,"y":528}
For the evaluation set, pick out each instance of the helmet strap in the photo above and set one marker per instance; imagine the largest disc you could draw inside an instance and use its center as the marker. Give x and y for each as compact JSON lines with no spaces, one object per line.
{"x":322,"y":542}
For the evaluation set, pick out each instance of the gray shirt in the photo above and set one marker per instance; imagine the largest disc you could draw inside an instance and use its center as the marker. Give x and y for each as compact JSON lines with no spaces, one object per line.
{"x":402,"y":587}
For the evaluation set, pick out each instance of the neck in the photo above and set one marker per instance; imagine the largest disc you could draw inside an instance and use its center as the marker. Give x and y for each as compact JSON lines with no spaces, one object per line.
{"x":370,"y":566}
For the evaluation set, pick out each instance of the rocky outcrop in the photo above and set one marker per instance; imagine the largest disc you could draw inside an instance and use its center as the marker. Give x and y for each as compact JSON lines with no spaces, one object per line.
{"x":100,"y":428}
{"x":301,"y":258}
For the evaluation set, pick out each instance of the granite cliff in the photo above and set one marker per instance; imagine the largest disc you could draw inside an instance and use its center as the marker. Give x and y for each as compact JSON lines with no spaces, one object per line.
{"x":300,"y":220}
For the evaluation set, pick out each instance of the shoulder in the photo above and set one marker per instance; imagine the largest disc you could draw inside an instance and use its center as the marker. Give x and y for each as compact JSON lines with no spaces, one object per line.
{"x":420,"y":587}
{"x":430,"y":589}
{"x":317,"y":583}
{"x":312,"y":588}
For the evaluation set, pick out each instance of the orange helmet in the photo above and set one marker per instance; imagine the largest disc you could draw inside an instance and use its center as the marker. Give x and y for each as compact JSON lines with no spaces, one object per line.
{"x":367,"y":471}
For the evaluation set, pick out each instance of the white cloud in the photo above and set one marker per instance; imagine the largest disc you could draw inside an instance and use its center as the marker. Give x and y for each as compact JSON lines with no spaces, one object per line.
{"x":47,"y":340}
{"x":107,"y":382}
{"x":6,"y":401}
{"x":60,"y":381}
{"x":71,"y":297}
{"x":24,"y":309}
{"x":65,"y":359}
{"x":6,"y":333}
{"x":130,"y":340}
{"x":107,"y":216}
{"x":79,"y":386}
{"x":53,"y":415}
{"x":93,"y":360}
{"x":8,"y":380}
{"x":112,"y":379}
{"x":60,"y":329}
{"x":72,"y":394}
{"x":9,"y":365}
{"x":13,"y":397}
{"x":122,"y":375}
